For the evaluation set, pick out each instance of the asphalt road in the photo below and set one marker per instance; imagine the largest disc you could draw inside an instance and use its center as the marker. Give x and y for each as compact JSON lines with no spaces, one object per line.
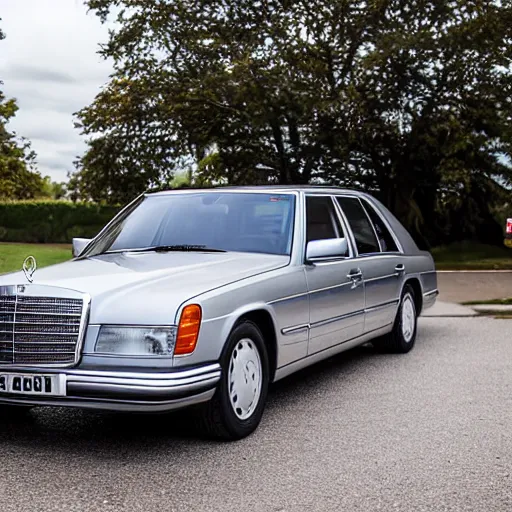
{"x":430,"y":431}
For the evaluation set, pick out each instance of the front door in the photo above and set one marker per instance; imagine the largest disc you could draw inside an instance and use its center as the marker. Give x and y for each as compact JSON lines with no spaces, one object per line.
{"x":335,"y":286}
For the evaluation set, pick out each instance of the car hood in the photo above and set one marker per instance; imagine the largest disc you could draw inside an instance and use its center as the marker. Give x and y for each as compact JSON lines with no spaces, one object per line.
{"x":148,"y":288}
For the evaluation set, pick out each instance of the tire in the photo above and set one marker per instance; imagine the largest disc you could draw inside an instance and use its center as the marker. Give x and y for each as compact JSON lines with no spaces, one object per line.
{"x":220,"y":418}
{"x":403,"y":336}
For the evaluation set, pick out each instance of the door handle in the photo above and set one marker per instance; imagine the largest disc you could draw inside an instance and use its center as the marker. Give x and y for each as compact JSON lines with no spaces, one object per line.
{"x":400,"y":268}
{"x":355,"y":274}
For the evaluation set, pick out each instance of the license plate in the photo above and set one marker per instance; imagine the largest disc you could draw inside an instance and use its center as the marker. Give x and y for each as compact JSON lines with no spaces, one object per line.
{"x":33,"y":384}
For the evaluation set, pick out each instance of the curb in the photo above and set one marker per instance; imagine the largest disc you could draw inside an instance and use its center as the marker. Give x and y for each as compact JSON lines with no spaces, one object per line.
{"x":451,"y":316}
{"x":474,"y":271}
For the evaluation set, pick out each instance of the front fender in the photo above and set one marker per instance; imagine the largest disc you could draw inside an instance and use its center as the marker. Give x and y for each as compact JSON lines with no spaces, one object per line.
{"x":215,"y":331}
{"x":281,"y":294}
{"x":234,"y":317}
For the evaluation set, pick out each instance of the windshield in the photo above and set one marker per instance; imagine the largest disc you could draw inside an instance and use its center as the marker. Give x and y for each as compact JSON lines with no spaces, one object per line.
{"x":244,"y":222}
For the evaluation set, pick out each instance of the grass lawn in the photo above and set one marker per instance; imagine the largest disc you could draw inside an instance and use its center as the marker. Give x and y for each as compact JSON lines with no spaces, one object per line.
{"x":503,"y":315}
{"x":495,"y":302}
{"x":13,"y":255}
{"x":472,"y":256}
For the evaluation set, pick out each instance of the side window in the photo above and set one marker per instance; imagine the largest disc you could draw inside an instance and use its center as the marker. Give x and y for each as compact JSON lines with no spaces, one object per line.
{"x":386,"y":240}
{"x":321,"y":219}
{"x":364,"y":234}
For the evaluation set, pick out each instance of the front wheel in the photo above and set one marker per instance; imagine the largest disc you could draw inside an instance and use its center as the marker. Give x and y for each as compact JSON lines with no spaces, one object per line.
{"x":236,"y":409}
{"x":403,"y":336}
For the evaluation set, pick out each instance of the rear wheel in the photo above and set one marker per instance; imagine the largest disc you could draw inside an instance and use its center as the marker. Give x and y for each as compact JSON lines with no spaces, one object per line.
{"x":236,"y":409}
{"x":403,"y":336}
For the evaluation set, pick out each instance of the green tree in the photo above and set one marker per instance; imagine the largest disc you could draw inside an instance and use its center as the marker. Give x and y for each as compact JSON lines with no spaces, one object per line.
{"x":409,"y":100}
{"x":53,"y":189}
{"x":18,"y":177}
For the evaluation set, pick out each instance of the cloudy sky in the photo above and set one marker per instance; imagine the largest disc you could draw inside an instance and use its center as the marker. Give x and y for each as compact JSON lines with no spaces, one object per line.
{"x":49,"y":63}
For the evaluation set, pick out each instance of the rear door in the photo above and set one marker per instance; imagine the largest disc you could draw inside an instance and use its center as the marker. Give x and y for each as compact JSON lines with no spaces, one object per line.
{"x":379,"y":258}
{"x":335,"y":285}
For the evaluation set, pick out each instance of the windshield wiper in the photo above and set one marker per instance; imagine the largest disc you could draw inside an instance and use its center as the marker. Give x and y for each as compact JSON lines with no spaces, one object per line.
{"x":176,"y":248}
{"x":166,"y":248}
{"x":184,"y":248}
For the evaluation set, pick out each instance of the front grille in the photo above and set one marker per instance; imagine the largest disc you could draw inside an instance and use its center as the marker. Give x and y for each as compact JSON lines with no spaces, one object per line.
{"x":39,"y":329}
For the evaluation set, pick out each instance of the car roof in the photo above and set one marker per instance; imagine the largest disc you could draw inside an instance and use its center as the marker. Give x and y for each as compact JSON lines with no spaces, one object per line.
{"x":319,"y":189}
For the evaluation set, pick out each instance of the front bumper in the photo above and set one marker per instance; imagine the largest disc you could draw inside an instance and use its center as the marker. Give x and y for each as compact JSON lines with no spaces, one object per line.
{"x":124,"y":391}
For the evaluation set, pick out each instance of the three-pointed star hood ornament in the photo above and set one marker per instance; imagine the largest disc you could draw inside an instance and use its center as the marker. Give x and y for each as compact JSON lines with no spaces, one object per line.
{"x":29,"y":267}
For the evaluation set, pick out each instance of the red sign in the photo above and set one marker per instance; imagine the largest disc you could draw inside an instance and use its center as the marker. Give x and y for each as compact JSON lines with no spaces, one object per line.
{"x":509,"y":226}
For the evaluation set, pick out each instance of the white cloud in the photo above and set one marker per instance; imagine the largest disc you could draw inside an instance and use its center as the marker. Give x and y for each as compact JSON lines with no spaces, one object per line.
{"x":49,"y":63}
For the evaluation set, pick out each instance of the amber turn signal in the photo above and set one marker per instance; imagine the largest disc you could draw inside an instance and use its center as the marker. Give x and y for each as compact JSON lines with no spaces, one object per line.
{"x":188,"y":330}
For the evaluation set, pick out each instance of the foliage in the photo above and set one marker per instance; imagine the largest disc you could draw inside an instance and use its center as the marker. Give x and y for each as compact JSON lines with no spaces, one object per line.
{"x":181,"y":180}
{"x":52,"y":189}
{"x":51,"y":221}
{"x":409,"y":100}
{"x":469,"y":255}
{"x":18,"y":177}
{"x":499,"y":302}
{"x":13,"y":255}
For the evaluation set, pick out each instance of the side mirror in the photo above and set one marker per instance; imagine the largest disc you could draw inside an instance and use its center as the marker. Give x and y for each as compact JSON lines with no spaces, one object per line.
{"x":330,"y":248}
{"x":79,"y":245}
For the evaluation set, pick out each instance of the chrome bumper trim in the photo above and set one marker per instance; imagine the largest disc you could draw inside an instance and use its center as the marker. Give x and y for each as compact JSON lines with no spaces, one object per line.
{"x":126,"y":390}
{"x":114,"y":405}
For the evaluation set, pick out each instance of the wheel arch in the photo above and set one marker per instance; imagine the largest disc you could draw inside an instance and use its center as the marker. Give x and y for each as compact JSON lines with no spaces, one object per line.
{"x":263,"y":317}
{"x":414,"y":282}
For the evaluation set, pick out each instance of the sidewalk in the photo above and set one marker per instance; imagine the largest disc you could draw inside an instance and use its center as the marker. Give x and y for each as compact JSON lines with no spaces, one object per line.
{"x":448,"y":309}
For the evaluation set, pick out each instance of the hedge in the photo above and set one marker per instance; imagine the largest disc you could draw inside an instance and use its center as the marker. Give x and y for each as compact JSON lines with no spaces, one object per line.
{"x":51,"y":221}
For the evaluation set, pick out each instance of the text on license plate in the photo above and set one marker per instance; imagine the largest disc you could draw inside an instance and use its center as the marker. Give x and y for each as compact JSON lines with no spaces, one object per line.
{"x":33,"y":384}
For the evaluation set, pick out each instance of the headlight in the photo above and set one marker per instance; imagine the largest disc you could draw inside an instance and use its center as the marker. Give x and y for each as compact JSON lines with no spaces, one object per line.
{"x":136,"y":341}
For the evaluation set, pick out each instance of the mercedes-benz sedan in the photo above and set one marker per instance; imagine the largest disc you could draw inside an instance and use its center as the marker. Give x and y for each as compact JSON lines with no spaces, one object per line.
{"x":205,"y":297}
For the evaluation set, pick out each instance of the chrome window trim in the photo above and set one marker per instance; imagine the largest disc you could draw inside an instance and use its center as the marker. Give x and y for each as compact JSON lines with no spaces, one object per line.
{"x":348,"y":196}
{"x":344,"y":226}
{"x":386,"y":223}
{"x":373,"y":227}
{"x":90,"y":246}
{"x":225,"y":190}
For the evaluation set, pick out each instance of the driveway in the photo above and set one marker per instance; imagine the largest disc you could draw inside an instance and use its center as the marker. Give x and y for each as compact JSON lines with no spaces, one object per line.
{"x":430,"y":431}
{"x":468,"y":286}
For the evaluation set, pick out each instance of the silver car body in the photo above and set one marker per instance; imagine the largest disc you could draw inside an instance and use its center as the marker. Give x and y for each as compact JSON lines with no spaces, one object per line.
{"x":307,"y":311}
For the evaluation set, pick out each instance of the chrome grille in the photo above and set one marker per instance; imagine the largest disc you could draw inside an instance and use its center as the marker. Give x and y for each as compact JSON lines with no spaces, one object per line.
{"x":39,"y":329}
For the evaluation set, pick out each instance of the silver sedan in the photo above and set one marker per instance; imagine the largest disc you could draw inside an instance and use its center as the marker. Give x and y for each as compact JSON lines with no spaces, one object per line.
{"x":205,"y":297}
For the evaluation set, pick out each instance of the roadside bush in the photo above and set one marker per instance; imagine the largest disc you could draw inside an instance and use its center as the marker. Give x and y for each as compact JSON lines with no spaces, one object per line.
{"x":51,"y":221}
